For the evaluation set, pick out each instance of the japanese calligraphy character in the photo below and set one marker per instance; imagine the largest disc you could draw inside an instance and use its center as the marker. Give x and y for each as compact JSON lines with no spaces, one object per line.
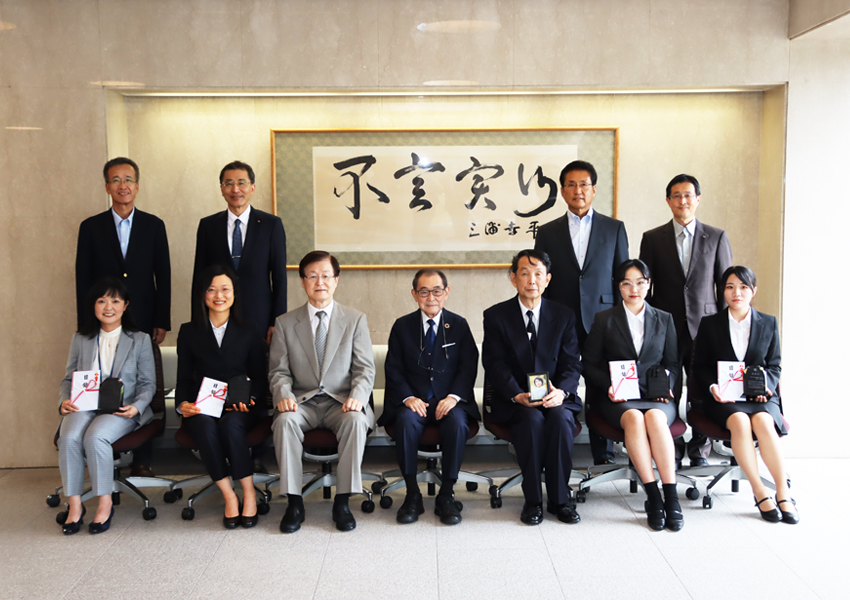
{"x":542,"y":181}
{"x":532,"y":229}
{"x":491,"y":228}
{"x":367,"y":162}
{"x":478,"y":187}
{"x":511,"y":228}
{"x":419,"y":199}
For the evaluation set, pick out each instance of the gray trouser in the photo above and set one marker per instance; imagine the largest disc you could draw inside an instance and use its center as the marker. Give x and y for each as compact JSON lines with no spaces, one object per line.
{"x":85,"y":436}
{"x":351,"y":430}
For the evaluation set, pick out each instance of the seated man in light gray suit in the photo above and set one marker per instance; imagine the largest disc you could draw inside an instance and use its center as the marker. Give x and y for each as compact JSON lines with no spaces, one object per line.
{"x":321,"y":374}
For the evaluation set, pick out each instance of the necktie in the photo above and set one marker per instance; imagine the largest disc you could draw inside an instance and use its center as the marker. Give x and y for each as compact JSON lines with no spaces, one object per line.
{"x":685,"y":244}
{"x":429,"y":340}
{"x":236,"y":250}
{"x":321,"y":338}
{"x":532,"y":331}
{"x":124,"y":235}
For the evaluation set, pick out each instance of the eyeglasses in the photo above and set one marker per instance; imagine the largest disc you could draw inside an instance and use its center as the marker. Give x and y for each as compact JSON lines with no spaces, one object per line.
{"x":242,"y":184}
{"x":225,"y":291}
{"x":437,"y":292}
{"x":686,"y":196}
{"x":117,"y":181}
{"x":641,"y":285}
{"x":315,"y":278}
{"x":583,"y":186}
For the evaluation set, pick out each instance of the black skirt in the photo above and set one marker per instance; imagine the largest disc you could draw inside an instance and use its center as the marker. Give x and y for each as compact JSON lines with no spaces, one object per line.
{"x":612,"y":411}
{"x":719,"y":412}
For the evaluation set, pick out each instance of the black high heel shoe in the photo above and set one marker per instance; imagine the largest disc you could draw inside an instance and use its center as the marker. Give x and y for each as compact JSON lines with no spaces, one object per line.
{"x":233,"y":522}
{"x":789,"y":517}
{"x":101,"y":527}
{"x":771,"y":516}
{"x":72,"y":528}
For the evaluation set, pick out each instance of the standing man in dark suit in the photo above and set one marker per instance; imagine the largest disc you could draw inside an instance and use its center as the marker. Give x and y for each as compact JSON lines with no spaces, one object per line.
{"x":582,"y":271}
{"x":686,"y":258}
{"x":252,"y":242}
{"x":431,"y":365}
{"x":130,"y":245}
{"x":528,"y":335}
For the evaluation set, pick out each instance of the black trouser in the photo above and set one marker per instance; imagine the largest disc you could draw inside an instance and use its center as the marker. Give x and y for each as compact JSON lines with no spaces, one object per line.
{"x":454,"y":431}
{"x":224,"y":440}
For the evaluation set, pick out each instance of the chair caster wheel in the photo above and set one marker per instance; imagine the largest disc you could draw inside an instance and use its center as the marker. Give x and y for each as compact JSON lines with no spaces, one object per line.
{"x":367,"y":506}
{"x":263,"y":508}
{"x":61,"y":517}
{"x":377,"y":485}
{"x":581,"y":496}
{"x":386,"y":501}
{"x":149,"y":514}
{"x":53,"y":500}
{"x":188,"y":513}
{"x":494,"y":490}
{"x":471,"y":486}
{"x":116,"y":498}
{"x":692,"y":493}
{"x":170,"y":497}
{"x":495,"y":502}
{"x":179,"y":493}
{"x":707,"y":502}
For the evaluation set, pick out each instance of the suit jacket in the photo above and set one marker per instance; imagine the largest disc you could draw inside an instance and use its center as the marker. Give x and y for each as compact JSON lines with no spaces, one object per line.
{"x":610,"y":340}
{"x":454,"y":366}
{"x":714,"y":343}
{"x":262,"y":268}
{"x":146,"y":271}
{"x":507,"y":356}
{"x":242,"y":352}
{"x":689,"y":298}
{"x":587,"y":289}
{"x":133,"y":365}
{"x":348,"y":368}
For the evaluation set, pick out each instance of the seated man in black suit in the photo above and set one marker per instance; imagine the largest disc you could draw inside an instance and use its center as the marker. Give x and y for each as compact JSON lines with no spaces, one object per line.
{"x":526,"y":335}
{"x":430,"y":369}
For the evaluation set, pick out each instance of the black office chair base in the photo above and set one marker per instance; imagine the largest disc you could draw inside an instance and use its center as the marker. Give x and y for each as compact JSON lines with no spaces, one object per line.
{"x":432,"y":475}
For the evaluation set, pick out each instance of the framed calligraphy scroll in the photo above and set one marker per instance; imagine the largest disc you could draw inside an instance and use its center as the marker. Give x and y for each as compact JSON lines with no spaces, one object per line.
{"x":453,"y":198}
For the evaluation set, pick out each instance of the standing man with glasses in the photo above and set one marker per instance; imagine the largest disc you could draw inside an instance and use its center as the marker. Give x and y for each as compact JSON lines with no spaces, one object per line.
{"x":251,"y":241}
{"x":430,"y":370}
{"x":321,"y":373}
{"x":585,"y":248}
{"x":686,"y":259}
{"x":130,"y":245}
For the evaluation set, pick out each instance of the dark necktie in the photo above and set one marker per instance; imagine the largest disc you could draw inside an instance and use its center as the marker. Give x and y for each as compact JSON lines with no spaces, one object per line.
{"x":236,"y":251}
{"x":532,"y":332}
{"x":429,"y":341}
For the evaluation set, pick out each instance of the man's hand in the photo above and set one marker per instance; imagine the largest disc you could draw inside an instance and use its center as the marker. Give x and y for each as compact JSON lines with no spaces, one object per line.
{"x":287,"y":405}
{"x":158,"y":335}
{"x":444,"y":406}
{"x":525,"y":400}
{"x":352,"y":404}
{"x":417,"y":406}
{"x":554,"y":398}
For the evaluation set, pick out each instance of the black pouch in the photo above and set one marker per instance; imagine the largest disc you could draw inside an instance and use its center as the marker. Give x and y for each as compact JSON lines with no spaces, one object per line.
{"x":238,"y":390}
{"x":111,"y":396}
{"x":657,"y":382}
{"x":754,"y":382}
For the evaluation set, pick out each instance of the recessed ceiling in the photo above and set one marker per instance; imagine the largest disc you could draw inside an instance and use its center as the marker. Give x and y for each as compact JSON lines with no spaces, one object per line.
{"x":839,"y":29}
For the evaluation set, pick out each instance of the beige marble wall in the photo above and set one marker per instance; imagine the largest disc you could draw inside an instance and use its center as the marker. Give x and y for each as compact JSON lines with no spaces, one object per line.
{"x":805,"y":15}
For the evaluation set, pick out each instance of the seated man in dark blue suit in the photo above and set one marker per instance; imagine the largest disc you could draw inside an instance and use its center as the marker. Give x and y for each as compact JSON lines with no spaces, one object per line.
{"x":526,"y":335}
{"x":430,"y":369}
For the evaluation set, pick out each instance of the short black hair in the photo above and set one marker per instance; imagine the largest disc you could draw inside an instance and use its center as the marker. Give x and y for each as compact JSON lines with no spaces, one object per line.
{"x":236,"y":165}
{"x":745,"y":274}
{"x":682,"y":178}
{"x":579,"y":165}
{"x":533,"y":256}
{"x":120,"y":160}
{"x":317,"y":256}
{"x":113,"y":288}
{"x":201,"y":314}
{"x":620,"y":271}
{"x":423,"y":272}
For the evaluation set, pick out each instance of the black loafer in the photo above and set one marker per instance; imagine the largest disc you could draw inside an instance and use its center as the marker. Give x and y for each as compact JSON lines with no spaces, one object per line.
{"x":771,"y":516}
{"x":410,"y":509}
{"x":699,"y":462}
{"x":343,"y":518}
{"x":674,"y":519}
{"x":532,"y":514}
{"x":448,"y":510}
{"x":292,"y":519}
{"x":566,"y":513}
{"x":792,"y":518}
{"x":72,"y":528}
{"x":101,"y":527}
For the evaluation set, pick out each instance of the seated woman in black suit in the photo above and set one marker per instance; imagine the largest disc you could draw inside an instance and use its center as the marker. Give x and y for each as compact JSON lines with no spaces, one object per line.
{"x":741,"y":333}
{"x":217,"y":344}
{"x":634,"y":330}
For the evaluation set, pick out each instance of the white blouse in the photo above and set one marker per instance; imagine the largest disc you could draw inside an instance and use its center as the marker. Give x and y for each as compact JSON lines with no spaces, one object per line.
{"x":106,"y":351}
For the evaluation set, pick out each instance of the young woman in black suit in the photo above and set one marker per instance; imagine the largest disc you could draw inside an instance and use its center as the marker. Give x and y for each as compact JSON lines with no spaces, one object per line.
{"x":217,"y":344}
{"x":634,"y":330}
{"x":741,"y":333}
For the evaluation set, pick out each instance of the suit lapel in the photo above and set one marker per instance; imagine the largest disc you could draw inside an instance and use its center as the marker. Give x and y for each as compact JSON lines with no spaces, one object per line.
{"x":125,"y":342}
{"x":135,"y":235}
{"x":304,"y":333}
{"x":255,"y":224}
{"x":336,"y":329}
{"x":621,"y":322}
{"x":443,"y":336}
{"x":650,"y":328}
{"x":569,"y":239}
{"x":671,"y":249}
{"x":697,"y":246}
{"x":111,"y":234}
{"x":725,"y":338}
{"x":595,"y":239}
{"x":516,"y":332}
{"x":220,"y":236}
{"x":756,"y":331}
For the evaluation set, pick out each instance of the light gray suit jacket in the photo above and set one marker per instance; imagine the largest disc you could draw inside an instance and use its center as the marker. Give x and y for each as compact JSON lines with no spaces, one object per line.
{"x":349,"y":366}
{"x":133,"y":365}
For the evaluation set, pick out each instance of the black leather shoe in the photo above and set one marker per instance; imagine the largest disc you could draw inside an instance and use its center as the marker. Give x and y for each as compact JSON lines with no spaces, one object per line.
{"x":248,"y":522}
{"x":792,"y":518}
{"x":233,"y":522}
{"x":448,"y":510}
{"x":141,"y":471}
{"x":771,"y":516}
{"x":532,"y":514}
{"x":292,"y":519}
{"x":654,"y":517}
{"x":674,"y":519}
{"x":699,"y":462}
{"x":101,"y":527}
{"x":566,"y":513}
{"x":410,"y":509}
{"x":72,"y":528}
{"x":343,"y":518}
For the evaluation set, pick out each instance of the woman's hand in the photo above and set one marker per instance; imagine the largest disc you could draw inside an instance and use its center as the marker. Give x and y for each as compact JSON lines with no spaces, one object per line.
{"x":715,"y":391}
{"x":128,"y":412}
{"x":66,"y":408}
{"x":667,"y":399}
{"x":188,"y":409}
{"x":611,"y":395}
{"x":763,"y":398}
{"x":241,"y":407}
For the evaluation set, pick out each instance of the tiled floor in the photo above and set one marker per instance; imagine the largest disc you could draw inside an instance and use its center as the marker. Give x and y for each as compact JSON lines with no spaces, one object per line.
{"x":724,"y":552}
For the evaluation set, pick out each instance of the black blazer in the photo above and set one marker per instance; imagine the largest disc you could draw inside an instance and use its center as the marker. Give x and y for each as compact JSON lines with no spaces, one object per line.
{"x":687,"y":299}
{"x":714,"y":343}
{"x":242,"y":352}
{"x":262,"y":269}
{"x":453,"y":369}
{"x":589,"y":289}
{"x":507,"y":357}
{"x":146,"y":271}
{"x":610,"y":339}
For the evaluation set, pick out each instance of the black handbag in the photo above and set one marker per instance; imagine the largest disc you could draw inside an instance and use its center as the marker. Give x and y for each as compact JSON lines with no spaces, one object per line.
{"x":657,"y":382}
{"x":755,"y":383}
{"x":238,"y":390}
{"x":111,"y":395}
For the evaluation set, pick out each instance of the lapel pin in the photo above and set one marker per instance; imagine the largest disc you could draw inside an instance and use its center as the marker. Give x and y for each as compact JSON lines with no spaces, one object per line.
{"x":446,"y":325}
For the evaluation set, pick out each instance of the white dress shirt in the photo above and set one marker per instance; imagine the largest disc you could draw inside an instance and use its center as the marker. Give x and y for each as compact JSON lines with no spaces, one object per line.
{"x":580,"y":234}
{"x":636,"y":325}
{"x":231,"y":225}
{"x":740,"y":334}
{"x":685,"y":244}
{"x":314,"y":320}
{"x":218,"y":332}
{"x":534,"y":317}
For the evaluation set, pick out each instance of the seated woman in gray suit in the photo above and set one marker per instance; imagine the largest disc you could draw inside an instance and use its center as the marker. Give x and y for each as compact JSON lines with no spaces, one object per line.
{"x":634,"y":330}
{"x":218,"y":345}
{"x":742,"y":334}
{"x":107,"y":342}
